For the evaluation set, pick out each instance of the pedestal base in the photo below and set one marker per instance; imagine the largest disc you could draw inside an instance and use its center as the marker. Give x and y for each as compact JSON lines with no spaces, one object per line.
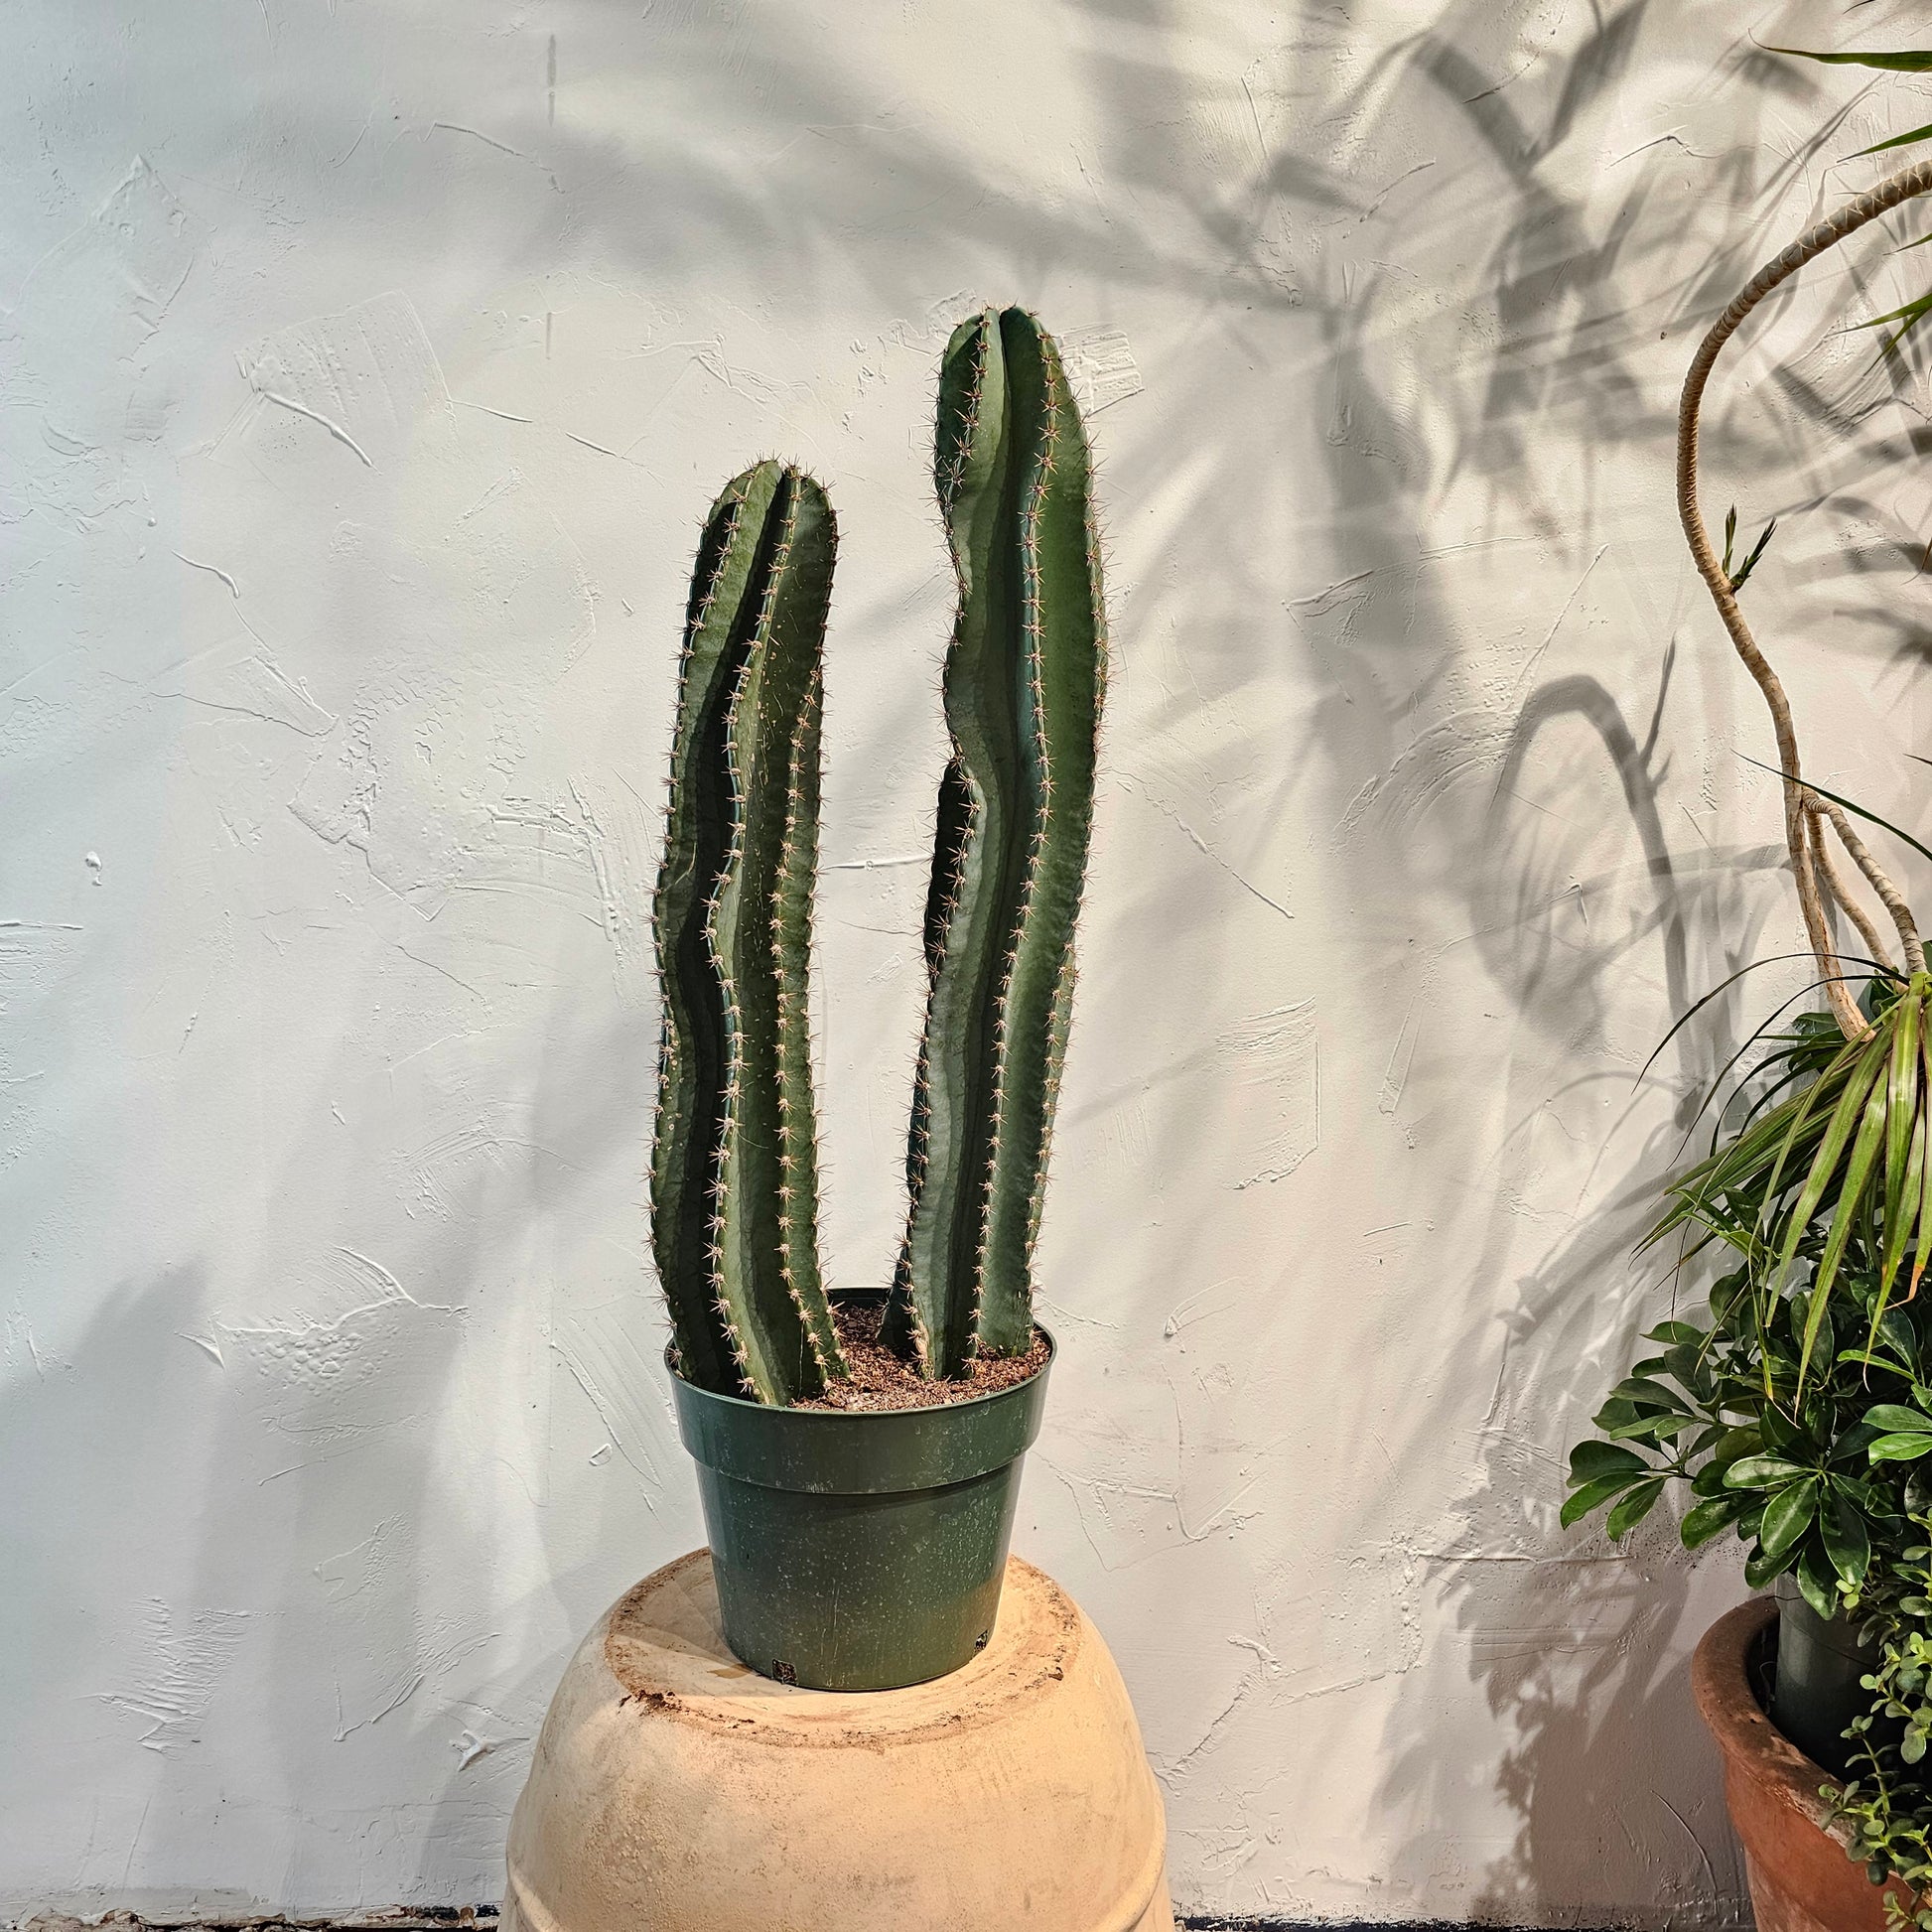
{"x":673,"y":1790}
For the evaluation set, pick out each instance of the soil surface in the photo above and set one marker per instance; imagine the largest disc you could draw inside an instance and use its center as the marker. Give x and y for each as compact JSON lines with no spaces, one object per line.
{"x":879,"y":1380}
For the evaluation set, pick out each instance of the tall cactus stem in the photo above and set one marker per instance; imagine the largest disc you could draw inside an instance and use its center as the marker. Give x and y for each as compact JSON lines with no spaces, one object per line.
{"x":1023,"y":691}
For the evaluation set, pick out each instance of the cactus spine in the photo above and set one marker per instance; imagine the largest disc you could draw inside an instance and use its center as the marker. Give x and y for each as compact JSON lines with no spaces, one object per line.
{"x":735,"y":1165}
{"x":1024,"y":681}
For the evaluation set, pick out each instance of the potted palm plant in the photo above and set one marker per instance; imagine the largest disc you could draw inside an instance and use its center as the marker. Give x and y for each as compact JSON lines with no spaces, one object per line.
{"x":857,"y":1454}
{"x":1798,"y":1410}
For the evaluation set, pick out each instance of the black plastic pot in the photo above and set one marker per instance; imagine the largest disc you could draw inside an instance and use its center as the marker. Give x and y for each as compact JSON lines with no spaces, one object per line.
{"x":1816,"y":1692}
{"x":859,"y":1550}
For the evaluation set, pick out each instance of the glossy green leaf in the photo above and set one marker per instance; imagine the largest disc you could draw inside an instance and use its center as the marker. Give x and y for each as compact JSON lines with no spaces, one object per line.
{"x":1592,"y":1496}
{"x":1646,"y":1392}
{"x":1787,"y":1516}
{"x":1762,"y":1472}
{"x":1636,"y":1506}
{"x":1900,"y":1448}
{"x":1688,"y":1368}
{"x":1895,"y":1419}
{"x":1761,"y":1567}
{"x":1709,"y":1518}
{"x":1816,"y":1580}
{"x":1677,"y":1334}
{"x":1588,"y":1461}
{"x":1820,"y":1324}
{"x":1656,"y":1425}
{"x":1845,"y":1540}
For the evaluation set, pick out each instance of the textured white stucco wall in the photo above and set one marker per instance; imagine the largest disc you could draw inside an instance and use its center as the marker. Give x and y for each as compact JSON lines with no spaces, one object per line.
{"x":364,"y":373}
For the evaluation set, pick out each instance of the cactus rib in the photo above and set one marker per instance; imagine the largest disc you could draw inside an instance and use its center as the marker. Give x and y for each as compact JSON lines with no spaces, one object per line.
{"x":733,"y":1178}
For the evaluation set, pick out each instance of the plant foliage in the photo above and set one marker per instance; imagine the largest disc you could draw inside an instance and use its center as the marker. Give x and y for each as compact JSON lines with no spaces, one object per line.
{"x":1908,"y":315}
{"x":1799,"y":1413}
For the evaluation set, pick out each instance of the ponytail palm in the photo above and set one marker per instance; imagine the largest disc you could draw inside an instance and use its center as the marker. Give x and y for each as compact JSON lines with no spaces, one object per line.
{"x":1801,"y":1416}
{"x":1823,"y":1190}
{"x":1839,"y":1167}
{"x":1844,"y":1157}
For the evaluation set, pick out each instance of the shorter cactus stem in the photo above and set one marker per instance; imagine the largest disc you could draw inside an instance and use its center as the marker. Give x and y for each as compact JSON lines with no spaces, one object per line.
{"x":735,"y":1170}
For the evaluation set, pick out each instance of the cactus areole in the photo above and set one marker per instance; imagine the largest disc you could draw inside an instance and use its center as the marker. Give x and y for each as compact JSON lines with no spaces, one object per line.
{"x":734,"y":1161}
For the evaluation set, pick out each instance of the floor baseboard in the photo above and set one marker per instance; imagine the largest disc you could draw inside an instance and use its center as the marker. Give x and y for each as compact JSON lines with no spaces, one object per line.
{"x":483,"y":1918}
{"x":431,"y":1918}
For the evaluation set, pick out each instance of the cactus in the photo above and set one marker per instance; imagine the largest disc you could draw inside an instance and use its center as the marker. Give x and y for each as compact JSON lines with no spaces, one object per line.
{"x":1024,"y":681}
{"x":734,"y":1165}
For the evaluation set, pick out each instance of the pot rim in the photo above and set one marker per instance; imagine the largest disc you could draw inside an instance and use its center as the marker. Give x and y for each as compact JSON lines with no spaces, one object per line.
{"x":1792,"y":1854}
{"x":1738,"y":1722}
{"x":967,"y":1406}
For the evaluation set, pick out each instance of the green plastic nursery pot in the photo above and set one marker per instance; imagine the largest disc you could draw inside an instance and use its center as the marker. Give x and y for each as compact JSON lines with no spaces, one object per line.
{"x":859,"y":1550}
{"x":1816,"y":1693}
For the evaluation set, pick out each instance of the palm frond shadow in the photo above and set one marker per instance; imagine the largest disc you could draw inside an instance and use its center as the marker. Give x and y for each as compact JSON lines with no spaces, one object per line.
{"x":1377,"y":729}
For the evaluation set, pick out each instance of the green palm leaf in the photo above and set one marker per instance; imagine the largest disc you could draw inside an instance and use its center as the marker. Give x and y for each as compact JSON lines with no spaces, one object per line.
{"x":1922,"y":1252}
{"x":1846,"y":1118}
{"x":1897,"y":141}
{"x":1908,"y":316}
{"x":1903,"y":1118}
{"x":1852,"y":805}
{"x":1911,"y":62}
{"x":1858,"y":1172}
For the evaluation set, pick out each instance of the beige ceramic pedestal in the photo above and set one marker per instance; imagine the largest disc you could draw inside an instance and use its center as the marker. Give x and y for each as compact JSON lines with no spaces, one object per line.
{"x":673,"y":1790}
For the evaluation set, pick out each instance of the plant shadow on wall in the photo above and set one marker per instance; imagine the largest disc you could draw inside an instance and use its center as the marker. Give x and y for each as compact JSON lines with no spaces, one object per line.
{"x":330,"y":1436}
{"x":1440,"y":751}
{"x":1566,"y":1643}
{"x":1435,"y":771}
{"x":393,"y":1598}
{"x":1443,"y":778}
{"x":1566,"y":1639}
{"x":84,"y":1433}
{"x":1445,"y":760}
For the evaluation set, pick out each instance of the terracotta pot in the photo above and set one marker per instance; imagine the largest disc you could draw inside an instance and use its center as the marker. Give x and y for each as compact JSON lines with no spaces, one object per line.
{"x":1801,"y":1879}
{"x":674,"y":1790}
